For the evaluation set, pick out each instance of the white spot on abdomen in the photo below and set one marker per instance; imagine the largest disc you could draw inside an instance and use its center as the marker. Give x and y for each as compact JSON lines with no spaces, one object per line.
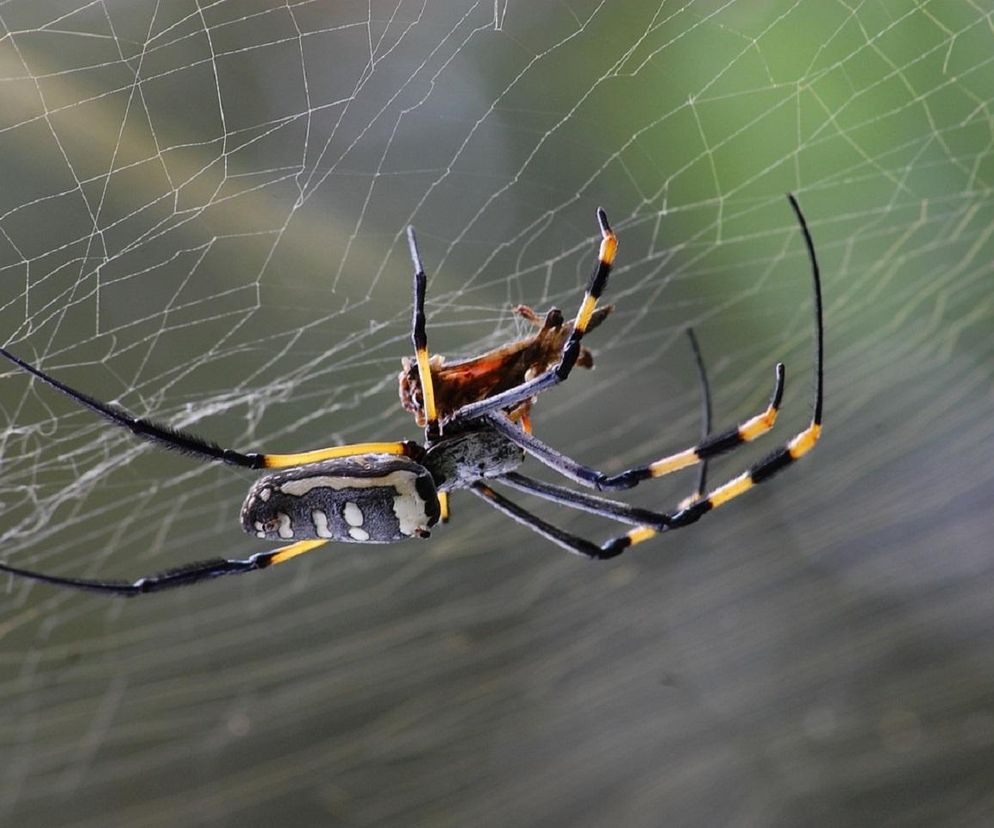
{"x":410,"y":512}
{"x":352,"y":514}
{"x":285,"y":530}
{"x":358,"y":534}
{"x":321,"y":523}
{"x":264,"y":494}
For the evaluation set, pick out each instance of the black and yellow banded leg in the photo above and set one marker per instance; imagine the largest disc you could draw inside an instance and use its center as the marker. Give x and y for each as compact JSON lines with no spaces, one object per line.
{"x":759,"y":473}
{"x":571,"y":349}
{"x":776,"y":462}
{"x":443,"y":507}
{"x":177,"y":577}
{"x":650,"y":524}
{"x":766,"y":469}
{"x":598,"y":281}
{"x":196,"y":446}
{"x":419,"y":337}
{"x":707,"y":448}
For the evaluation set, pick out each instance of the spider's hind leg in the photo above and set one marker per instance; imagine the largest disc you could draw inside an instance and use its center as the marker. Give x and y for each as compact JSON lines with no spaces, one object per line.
{"x":179,"y":576}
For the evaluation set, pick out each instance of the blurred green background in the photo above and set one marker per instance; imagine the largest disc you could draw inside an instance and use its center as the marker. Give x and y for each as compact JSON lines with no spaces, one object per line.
{"x":202,"y":219}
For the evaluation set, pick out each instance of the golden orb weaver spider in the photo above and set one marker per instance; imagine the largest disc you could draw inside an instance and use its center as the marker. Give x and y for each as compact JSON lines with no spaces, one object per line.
{"x":389,"y":491}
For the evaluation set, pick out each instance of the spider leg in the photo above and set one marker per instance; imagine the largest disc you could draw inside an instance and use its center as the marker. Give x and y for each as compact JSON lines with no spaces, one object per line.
{"x":706,"y":412}
{"x":171,"y":578}
{"x":613,"y":547}
{"x":762,"y":471}
{"x":602,"y":506}
{"x":572,"y":347}
{"x":707,"y":448}
{"x":803,"y":442}
{"x":613,"y":509}
{"x":759,"y":473}
{"x":419,"y":338}
{"x":187,"y":443}
{"x":567,"y":540}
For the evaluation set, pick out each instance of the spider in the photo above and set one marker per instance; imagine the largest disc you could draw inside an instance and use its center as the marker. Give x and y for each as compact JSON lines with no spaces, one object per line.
{"x":457,"y":383}
{"x":389,"y":491}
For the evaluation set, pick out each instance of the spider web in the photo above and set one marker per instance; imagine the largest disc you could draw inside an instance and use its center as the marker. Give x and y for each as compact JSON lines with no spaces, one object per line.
{"x":202,"y":220}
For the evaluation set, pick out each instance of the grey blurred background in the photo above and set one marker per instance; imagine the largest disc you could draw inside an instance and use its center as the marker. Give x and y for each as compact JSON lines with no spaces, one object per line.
{"x":202,"y":218}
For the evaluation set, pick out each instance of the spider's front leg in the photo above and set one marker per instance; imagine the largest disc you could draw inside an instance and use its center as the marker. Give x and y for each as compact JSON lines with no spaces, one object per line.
{"x":756,"y":474}
{"x":195,"y":446}
{"x":419,"y":338}
{"x":571,"y":349}
{"x":709,"y":447}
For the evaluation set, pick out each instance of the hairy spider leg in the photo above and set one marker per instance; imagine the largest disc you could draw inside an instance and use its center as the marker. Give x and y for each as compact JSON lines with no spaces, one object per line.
{"x":195,"y":446}
{"x":571,"y":349}
{"x":176,"y":577}
{"x":762,"y":471}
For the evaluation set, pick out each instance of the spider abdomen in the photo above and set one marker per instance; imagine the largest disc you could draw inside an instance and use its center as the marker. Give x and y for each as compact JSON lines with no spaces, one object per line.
{"x":374,"y":498}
